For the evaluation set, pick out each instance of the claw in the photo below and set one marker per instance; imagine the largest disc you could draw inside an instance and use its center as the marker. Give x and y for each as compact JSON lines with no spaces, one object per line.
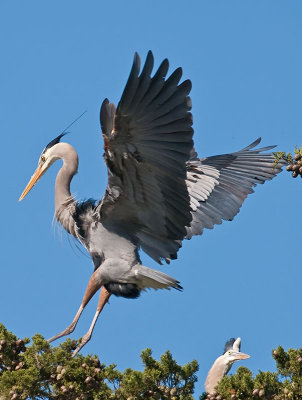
{"x":66,"y":331}
{"x":85,"y":339}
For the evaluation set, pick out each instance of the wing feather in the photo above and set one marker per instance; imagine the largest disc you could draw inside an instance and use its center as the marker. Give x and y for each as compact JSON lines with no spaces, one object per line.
{"x":221,"y":195}
{"x":156,"y":84}
{"x":159,"y":192}
{"x":147,"y":145}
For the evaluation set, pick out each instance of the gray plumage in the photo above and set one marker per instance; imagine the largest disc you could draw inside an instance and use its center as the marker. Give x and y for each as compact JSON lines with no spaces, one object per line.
{"x":223,"y":364}
{"x":158,"y":193}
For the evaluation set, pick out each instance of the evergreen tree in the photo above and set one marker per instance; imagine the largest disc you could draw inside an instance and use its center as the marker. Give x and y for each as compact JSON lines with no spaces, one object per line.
{"x":36,"y":370}
{"x":40,"y":371}
{"x":294,"y":161}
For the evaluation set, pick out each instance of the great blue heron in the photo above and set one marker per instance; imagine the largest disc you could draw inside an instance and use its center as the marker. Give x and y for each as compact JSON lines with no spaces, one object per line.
{"x":159,"y":192}
{"x":223,"y":364}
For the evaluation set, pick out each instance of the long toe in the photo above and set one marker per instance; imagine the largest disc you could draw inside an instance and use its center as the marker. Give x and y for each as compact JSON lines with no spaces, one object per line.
{"x":85,"y":339}
{"x":66,"y":331}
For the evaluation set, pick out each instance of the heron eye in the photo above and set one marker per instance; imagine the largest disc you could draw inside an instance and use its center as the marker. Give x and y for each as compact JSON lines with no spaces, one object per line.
{"x":230,"y":352}
{"x":43,"y":158}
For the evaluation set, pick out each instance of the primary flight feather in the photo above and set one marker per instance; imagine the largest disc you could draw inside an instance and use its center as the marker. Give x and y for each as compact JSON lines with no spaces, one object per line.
{"x":159,"y":191}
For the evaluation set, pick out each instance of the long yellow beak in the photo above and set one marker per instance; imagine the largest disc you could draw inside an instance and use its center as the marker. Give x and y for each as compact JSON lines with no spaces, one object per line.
{"x":33,"y":180}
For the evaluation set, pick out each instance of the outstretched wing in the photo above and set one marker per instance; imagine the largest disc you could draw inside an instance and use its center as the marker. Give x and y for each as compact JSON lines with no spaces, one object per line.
{"x":147,"y":141}
{"x":218,"y":185}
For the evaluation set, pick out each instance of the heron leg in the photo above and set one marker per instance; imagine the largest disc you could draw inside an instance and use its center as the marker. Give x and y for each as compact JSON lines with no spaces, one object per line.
{"x":92,"y":287}
{"x":70,"y":328}
{"x":104,"y":297}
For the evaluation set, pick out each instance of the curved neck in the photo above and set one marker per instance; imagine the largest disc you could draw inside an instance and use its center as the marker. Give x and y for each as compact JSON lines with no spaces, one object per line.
{"x":216,"y":373}
{"x":70,"y":167}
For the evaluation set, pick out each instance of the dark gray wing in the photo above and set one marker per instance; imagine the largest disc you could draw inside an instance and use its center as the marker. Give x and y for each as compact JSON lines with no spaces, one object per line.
{"x":229,"y":345}
{"x":232,"y":344}
{"x":147,"y":141}
{"x":218,"y":185}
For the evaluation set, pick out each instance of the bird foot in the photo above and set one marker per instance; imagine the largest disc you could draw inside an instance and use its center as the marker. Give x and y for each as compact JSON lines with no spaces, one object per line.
{"x":66,"y":331}
{"x":85,"y":339}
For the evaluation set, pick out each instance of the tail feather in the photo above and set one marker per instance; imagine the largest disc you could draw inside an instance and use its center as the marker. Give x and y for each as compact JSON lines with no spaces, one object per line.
{"x":151,"y":278}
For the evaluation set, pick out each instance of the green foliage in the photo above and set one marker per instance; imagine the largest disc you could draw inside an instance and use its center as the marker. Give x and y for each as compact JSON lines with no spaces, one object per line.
{"x":288,"y":157}
{"x":281,"y":155}
{"x":240,"y":384}
{"x":40,"y":371}
{"x":35,"y":370}
{"x":294,"y":162}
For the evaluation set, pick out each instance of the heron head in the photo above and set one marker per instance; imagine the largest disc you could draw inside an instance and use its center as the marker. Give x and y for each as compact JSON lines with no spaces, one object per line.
{"x":232,"y":355}
{"x":48,"y":156}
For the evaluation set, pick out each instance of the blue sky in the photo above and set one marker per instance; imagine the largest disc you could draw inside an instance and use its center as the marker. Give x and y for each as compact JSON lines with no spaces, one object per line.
{"x":241,"y":279}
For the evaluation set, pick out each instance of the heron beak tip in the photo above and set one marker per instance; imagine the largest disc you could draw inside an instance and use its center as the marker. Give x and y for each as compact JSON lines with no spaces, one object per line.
{"x":36,"y":176}
{"x":244,"y":356}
